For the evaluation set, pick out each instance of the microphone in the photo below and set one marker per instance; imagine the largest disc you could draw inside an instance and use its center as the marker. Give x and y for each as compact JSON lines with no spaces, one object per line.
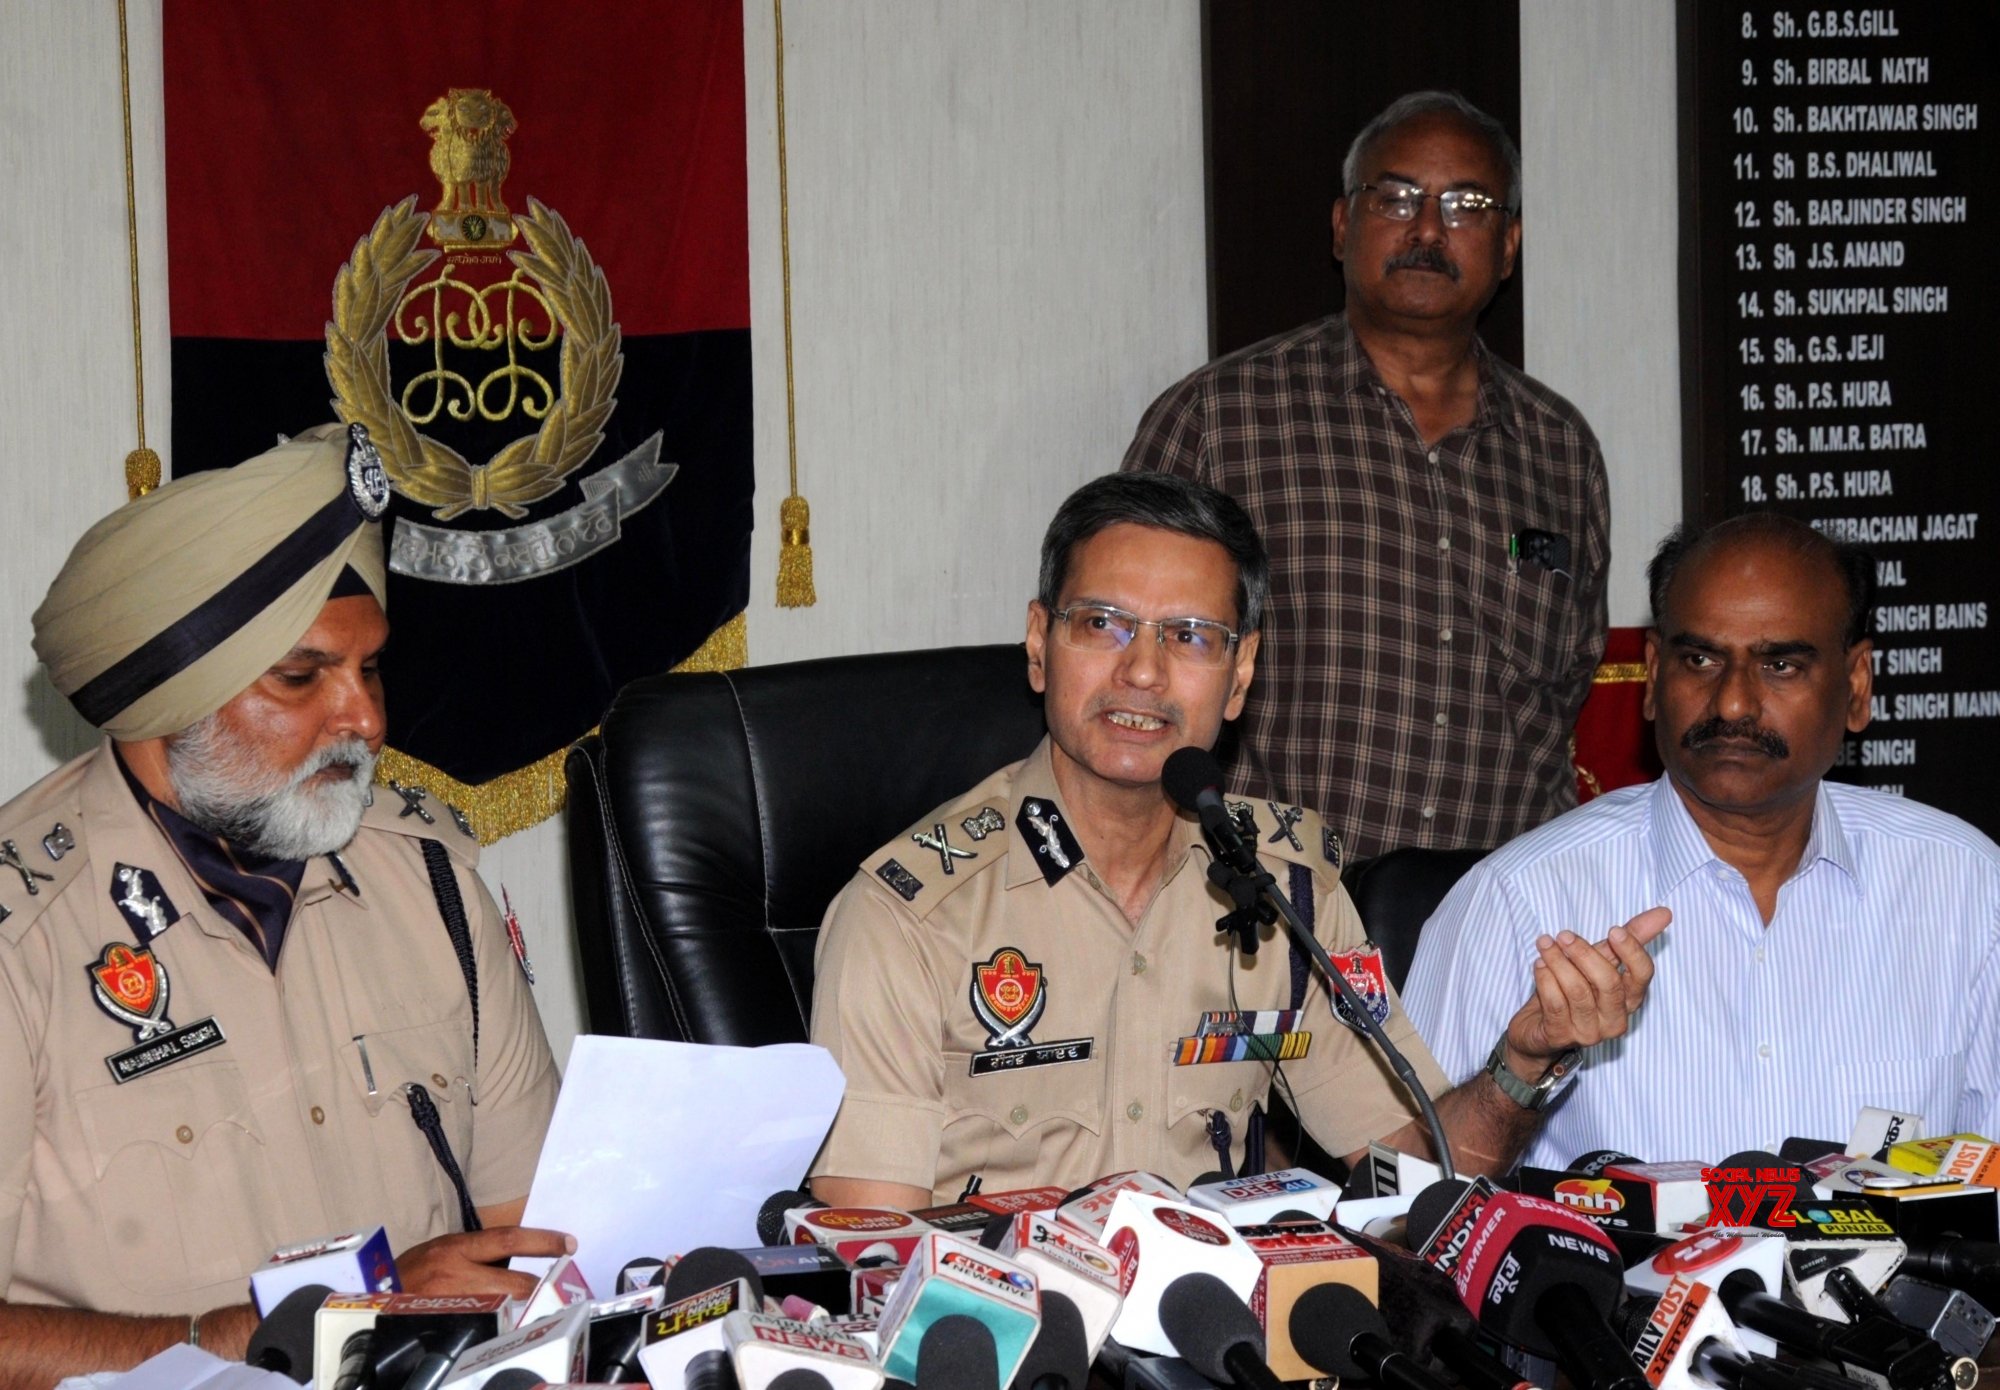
{"x":1059,"y":1357}
{"x":1971,"y":1265}
{"x":1540,"y":1277}
{"x":799,"y":1378}
{"x":283,"y":1341}
{"x":708,"y":1267}
{"x":1950,"y":1317}
{"x":708,"y":1370}
{"x":357,"y":1362}
{"x":1215,"y":1332}
{"x":516,"y":1378}
{"x":430,"y":1372}
{"x":771,"y":1216}
{"x":957,"y":1353}
{"x":1338,"y":1330}
{"x":1190,"y":778}
{"x":1876,"y":1349}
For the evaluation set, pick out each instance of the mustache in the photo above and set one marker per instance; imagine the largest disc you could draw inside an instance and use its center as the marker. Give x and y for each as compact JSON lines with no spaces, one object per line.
{"x":1699,"y":736}
{"x":1424,"y":258}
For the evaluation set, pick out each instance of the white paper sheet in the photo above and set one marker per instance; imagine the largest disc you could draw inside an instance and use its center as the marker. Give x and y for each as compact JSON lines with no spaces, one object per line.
{"x":184,"y":1367}
{"x":658,"y":1147}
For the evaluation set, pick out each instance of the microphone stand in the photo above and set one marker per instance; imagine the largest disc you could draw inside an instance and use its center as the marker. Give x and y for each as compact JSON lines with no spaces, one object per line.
{"x":1237,"y":872}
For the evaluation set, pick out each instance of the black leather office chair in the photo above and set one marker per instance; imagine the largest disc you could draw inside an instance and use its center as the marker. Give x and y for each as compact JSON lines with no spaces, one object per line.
{"x":1397,"y":891}
{"x":715,"y":816}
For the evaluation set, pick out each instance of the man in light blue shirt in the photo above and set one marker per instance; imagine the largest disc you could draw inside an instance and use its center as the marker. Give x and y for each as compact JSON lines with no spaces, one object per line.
{"x":1833,"y":947}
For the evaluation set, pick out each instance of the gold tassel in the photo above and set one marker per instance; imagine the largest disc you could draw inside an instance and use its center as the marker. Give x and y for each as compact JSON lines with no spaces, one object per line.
{"x":795,"y":554}
{"x":142,"y":473}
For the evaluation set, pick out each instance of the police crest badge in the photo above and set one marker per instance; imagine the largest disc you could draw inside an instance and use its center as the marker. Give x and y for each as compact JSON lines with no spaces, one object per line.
{"x":552,"y":363}
{"x":1363,"y":969}
{"x":131,"y":986}
{"x":1008,"y":994}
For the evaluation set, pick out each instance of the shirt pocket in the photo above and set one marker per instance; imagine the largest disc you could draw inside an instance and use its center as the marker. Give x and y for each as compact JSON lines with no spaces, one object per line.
{"x":1194,"y":1094}
{"x":1007,"y":1121}
{"x":185,"y":1191}
{"x":381,"y":1070}
{"x":1529,"y":618}
{"x":1927,"y":1085}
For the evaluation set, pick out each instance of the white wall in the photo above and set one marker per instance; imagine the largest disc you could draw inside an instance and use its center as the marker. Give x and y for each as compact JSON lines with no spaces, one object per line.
{"x":1600,"y":213}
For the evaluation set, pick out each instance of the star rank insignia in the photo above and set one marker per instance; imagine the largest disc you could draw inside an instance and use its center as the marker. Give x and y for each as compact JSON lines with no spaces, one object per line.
{"x":938,"y":840}
{"x":58,"y":842}
{"x":900,"y":879}
{"x":1055,"y":845}
{"x":987,"y":822}
{"x":1287,"y":818}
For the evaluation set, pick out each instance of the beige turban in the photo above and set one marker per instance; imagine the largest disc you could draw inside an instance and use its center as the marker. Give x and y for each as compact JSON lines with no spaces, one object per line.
{"x":170,"y":607}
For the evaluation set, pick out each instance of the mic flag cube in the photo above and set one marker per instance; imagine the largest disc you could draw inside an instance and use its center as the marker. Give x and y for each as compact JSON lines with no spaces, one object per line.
{"x":679,"y":1332}
{"x":1087,"y":1212}
{"x":1156,"y":1241}
{"x":856,"y":1233}
{"x":1254,"y":1201}
{"x":762,"y":1348}
{"x":1298,"y":1256}
{"x":1710,"y":1257}
{"x":947,"y":1275}
{"x":555,"y":1348}
{"x":1689,"y":1313}
{"x":561,"y":1285}
{"x":352,"y":1262}
{"x":1070,"y":1264}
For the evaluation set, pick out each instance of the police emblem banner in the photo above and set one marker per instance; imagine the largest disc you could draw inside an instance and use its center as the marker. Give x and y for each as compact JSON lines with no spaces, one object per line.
{"x":512,"y":242}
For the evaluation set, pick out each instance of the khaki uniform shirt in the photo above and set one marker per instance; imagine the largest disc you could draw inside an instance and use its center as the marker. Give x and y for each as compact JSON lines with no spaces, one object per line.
{"x":915,"y":982}
{"x":160,"y":1194}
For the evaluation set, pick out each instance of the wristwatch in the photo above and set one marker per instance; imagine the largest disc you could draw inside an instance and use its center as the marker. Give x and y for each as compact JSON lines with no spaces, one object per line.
{"x":1533,"y":1095}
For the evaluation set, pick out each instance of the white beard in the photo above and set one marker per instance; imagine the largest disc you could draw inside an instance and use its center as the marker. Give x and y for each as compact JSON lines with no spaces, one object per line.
{"x":224,"y":788}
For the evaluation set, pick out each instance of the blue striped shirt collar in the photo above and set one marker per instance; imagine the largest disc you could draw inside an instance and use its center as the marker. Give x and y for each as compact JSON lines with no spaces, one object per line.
{"x":1679,"y":847}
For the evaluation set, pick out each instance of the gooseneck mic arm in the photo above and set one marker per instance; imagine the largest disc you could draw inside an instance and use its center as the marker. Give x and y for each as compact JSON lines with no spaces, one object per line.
{"x":1191,"y":778}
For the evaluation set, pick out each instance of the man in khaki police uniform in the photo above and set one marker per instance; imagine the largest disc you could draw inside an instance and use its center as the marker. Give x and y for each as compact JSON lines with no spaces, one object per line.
{"x":228,"y":992}
{"x":1015,"y":988}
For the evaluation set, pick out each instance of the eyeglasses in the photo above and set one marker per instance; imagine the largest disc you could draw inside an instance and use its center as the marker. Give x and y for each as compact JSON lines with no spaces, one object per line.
{"x":1401,"y":202}
{"x":1097,"y":627}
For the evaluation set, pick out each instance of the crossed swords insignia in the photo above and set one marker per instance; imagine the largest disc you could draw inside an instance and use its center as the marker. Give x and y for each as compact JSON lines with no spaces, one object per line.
{"x":946,"y":850}
{"x":1287,"y":818}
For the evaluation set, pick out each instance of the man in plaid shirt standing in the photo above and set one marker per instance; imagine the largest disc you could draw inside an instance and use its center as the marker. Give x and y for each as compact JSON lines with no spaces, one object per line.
{"x":1438,"y":521}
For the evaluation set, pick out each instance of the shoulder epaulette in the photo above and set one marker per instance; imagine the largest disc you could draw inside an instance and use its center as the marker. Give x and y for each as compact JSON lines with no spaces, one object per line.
{"x":1292,"y":834}
{"x":941,"y":853}
{"x":407,"y":808}
{"x":40,"y":857}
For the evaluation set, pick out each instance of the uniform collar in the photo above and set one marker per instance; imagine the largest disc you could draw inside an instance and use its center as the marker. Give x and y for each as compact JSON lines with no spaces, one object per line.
{"x":1035,"y":780}
{"x":1680,"y":849}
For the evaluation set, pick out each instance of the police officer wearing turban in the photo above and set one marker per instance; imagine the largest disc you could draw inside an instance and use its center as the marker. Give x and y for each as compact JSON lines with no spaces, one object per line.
{"x":246,"y":998}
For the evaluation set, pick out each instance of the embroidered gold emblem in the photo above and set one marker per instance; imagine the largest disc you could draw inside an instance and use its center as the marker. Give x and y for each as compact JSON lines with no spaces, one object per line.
{"x":554,"y":284}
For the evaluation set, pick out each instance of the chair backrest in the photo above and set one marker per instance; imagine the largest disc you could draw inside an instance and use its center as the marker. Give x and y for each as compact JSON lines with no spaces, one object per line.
{"x":1397,"y":891}
{"x":714,"y":817}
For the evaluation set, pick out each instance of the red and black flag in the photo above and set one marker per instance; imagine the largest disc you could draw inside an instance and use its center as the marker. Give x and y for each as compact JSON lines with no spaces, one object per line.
{"x":512,"y":240}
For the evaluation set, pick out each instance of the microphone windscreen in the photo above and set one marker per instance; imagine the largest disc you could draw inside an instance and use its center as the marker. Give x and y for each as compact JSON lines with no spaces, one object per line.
{"x":799,"y":1378}
{"x":707,"y":1267}
{"x":1061,"y":1349}
{"x":1431,"y":1207}
{"x":1187,"y":773}
{"x":957,"y":1353}
{"x":1416,"y":1301}
{"x":1203,"y":1318}
{"x":1799,"y":1152}
{"x":1326,"y":1320}
{"x":515,"y":1378}
{"x":771,"y":1216}
{"x":283,"y":1341}
{"x":1593,"y":1162}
